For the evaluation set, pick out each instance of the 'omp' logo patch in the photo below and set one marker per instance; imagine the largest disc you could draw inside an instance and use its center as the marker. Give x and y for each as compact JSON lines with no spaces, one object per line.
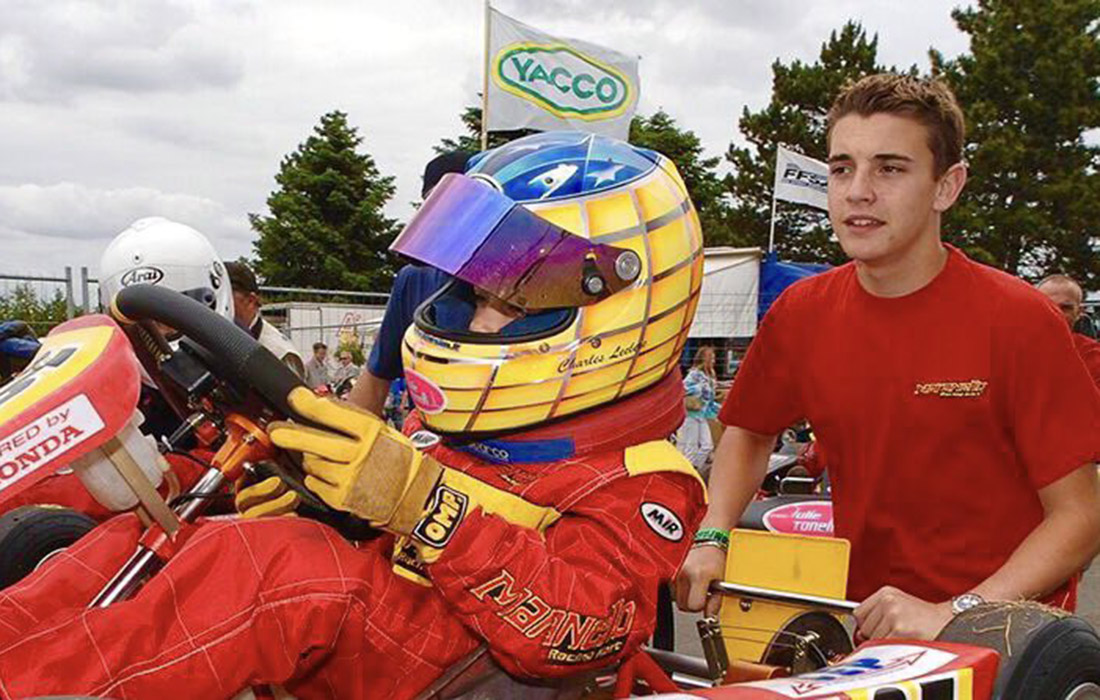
{"x":447,"y":509}
{"x":563,"y":81}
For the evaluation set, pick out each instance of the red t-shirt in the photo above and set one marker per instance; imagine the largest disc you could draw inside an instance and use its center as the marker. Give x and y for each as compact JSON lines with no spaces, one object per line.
{"x":1089,"y":350}
{"x":942,"y":413}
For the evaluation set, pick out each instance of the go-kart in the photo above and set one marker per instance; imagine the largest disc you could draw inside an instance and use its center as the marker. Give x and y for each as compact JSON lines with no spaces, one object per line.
{"x":782,"y":631}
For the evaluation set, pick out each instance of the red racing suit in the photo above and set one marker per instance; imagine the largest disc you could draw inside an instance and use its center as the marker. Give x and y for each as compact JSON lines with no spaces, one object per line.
{"x":287,"y":601}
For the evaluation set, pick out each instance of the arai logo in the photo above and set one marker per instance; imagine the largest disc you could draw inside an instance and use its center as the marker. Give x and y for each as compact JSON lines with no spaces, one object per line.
{"x":562,"y":80}
{"x":142,"y":275}
{"x":427,"y":396}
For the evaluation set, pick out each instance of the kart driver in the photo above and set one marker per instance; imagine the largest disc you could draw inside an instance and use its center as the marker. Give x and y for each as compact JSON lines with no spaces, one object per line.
{"x":959,"y":423}
{"x":536,"y":508}
{"x":152,"y":250}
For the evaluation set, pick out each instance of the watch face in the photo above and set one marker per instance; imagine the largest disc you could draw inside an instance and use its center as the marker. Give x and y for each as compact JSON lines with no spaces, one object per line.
{"x":966,"y":601}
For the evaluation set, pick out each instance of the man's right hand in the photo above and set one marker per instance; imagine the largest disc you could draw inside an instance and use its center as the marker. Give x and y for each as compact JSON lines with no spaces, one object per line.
{"x":703,"y":565}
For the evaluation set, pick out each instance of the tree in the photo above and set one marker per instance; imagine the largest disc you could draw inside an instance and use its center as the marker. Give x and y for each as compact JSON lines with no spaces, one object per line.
{"x":801,"y":96}
{"x":1029,"y":91}
{"x":658,"y":132}
{"x":471,"y":140}
{"x":327,"y":228}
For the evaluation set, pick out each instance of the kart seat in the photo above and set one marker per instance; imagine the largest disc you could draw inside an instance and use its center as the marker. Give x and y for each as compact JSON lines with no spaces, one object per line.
{"x":479,"y":677}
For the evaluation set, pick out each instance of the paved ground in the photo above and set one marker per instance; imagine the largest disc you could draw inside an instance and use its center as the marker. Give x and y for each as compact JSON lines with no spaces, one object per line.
{"x":1088,"y":607}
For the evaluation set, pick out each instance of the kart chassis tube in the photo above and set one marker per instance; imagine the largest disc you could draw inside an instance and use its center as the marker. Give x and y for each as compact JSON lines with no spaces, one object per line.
{"x":835,"y":605}
{"x":144,"y":562}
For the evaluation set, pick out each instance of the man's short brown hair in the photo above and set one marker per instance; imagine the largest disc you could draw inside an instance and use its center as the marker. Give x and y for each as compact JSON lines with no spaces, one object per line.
{"x":928,"y":101}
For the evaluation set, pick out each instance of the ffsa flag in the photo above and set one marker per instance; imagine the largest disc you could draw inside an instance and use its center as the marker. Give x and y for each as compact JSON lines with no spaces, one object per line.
{"x":542,"y":82}
{"x":801,"y":179}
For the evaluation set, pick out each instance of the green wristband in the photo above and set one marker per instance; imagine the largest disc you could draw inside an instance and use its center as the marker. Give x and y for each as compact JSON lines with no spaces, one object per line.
{"x":713,"y":534}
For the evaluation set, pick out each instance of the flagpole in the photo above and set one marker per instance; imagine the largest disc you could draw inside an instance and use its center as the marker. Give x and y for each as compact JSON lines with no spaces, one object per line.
{"x":485,"y":86}
{"x":771,"y":233}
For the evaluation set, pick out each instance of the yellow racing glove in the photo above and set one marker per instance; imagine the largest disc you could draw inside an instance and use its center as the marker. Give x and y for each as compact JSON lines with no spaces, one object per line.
{"x":357,"y":463}
{"x":268,"y":498}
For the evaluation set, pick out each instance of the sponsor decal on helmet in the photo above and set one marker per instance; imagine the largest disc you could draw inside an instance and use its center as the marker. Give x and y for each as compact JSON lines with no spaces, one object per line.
{"x":427,"y":396}
{"x":570,"y":637}
{"x":562,"y":80}
{"x":805,"y":518}
{"x":446,"y":511}
{"x":216,"y":274}
{"x":142,"y":275}
{"x":662,"y":521}
{"x":423,"y":439}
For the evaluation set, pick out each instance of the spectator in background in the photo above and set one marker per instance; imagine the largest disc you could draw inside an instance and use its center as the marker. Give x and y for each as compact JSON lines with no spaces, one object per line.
{"x":413,"y":286}
{"x":317,"y":369}
{"x":346,"y":369}
{"x":246,"y":313}
{"x":700,"y":384}
{"x":1068,"y":296}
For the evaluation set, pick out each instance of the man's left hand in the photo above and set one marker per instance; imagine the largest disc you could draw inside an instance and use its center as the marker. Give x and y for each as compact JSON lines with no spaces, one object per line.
{"x":891,"y":613}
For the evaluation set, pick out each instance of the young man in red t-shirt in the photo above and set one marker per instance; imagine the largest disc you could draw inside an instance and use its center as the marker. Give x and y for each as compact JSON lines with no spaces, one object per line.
{"x":960,"y":426}
{"x":1068,"y":296}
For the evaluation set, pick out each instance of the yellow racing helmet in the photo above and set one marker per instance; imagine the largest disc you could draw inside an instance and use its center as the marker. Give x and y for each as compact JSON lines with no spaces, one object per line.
{"x":594,"y":240}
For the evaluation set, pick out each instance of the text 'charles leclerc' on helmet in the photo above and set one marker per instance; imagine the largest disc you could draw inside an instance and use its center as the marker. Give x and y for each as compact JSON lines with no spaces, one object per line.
{"x":594,"y":240}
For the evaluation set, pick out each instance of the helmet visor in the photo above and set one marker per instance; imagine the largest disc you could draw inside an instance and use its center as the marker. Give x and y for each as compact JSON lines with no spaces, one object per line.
{"x":471,"y":231}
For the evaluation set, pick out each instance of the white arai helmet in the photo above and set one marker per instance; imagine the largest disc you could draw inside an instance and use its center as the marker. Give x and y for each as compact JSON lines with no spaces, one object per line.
{"x":157,"y":251}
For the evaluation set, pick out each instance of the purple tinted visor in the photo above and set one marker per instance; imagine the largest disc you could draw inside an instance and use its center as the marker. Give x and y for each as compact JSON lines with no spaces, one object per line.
{"x":473,"y":232}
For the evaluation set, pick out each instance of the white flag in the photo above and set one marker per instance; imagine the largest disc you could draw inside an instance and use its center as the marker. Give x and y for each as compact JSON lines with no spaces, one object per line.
{"x":541,"y":82}
{"x":801,"y":179}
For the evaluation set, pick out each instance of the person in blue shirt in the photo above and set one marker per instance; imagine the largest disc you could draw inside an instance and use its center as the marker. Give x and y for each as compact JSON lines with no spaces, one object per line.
{"x":413,"y":286}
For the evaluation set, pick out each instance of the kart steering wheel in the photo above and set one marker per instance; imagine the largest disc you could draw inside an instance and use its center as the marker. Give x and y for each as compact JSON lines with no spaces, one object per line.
{"x":240,"y":361}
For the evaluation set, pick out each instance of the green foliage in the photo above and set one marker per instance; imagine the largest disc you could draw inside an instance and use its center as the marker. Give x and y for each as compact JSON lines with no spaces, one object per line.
{"x":801,"y":96}
{"x":327,"y":228}
{"x":23,"y":304}
{"x":1029,"y":91}
{"x":658,"y":132}
{"x":471,"y":140}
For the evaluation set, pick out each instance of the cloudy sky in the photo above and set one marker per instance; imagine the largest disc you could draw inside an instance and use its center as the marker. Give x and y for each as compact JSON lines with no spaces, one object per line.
{"x":111,"y":110}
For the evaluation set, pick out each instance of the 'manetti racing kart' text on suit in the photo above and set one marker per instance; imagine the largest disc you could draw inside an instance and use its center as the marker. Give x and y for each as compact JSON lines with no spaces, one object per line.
{"x":287,"y":601}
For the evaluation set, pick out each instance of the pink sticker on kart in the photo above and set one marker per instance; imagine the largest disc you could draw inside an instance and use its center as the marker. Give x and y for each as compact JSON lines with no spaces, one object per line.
{"x":43,"y":441}
{"x":813,"y":518}
{"x":868,"y":669}
{"x":427,"y":396}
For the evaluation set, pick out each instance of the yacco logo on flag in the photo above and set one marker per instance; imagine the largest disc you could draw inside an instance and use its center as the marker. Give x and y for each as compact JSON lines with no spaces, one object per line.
{"x":562,"y":80}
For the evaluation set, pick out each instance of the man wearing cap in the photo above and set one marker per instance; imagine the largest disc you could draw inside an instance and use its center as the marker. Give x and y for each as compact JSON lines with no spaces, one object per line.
{"x":246,"y":312}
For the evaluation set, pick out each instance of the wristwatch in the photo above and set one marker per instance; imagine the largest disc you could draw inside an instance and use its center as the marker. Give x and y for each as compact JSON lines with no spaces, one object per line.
{"x":962,"y":603}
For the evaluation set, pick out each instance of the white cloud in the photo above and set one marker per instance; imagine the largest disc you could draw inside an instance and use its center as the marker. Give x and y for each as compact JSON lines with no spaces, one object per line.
{"x":115,"y":109}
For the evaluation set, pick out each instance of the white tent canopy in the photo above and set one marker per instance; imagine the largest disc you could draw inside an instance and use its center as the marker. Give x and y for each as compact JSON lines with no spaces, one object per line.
{"x":730,"y":295}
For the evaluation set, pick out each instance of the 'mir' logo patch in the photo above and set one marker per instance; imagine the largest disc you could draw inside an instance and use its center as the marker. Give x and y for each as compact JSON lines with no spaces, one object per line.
{"x":663,"y":521}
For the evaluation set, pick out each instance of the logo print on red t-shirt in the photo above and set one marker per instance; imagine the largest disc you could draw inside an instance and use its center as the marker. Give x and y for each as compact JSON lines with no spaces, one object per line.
{"x":425,"y":394}
{"x":952,"y":390}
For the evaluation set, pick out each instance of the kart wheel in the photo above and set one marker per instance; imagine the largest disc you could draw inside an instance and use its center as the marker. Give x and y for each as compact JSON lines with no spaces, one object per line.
{"x":1045,"y":652}
{"x":30,"y":534}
